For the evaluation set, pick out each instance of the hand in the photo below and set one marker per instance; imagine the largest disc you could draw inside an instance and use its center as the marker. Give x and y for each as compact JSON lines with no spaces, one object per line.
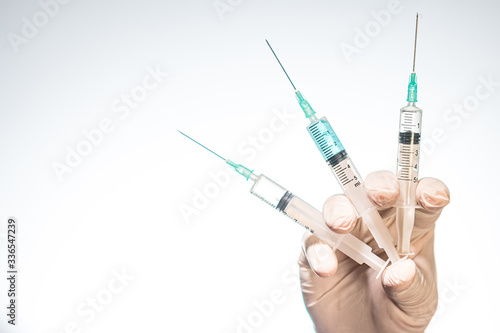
{"x":343,"y":296}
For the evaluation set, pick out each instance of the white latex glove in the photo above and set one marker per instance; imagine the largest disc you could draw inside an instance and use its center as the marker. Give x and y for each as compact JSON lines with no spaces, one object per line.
{"x":343,"y":296}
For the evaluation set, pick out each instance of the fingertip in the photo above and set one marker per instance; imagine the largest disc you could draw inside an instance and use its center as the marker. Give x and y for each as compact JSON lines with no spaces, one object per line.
{"x":322,"y":260}
{"x":432,"y":194}
{"x":339,"y":214}
{"x":320,"y":257}
{"x":409,"y":290}
{"x":400,"y":275}
{"x":382,"y":188}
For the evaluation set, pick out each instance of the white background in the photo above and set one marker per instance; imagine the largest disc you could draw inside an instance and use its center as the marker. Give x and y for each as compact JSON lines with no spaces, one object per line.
{"x":120,"y":207}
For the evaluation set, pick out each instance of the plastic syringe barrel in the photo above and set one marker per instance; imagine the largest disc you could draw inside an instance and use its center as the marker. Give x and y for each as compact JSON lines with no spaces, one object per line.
{"x":410,"y":126}
{"x":349,"y":178}
{"x":312,"y":219}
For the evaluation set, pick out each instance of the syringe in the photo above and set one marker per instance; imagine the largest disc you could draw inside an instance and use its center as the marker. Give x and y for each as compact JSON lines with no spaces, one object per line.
{"x":410,"y":126}
{"x":304,"y":214}
{"x":348,"y":177}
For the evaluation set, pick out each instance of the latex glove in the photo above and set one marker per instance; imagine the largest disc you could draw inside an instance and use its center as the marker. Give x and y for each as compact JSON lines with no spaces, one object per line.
{"x":343,"y":296}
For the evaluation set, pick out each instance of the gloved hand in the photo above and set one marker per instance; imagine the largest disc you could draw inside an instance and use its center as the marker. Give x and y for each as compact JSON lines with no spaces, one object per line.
{"x":343,"y":296}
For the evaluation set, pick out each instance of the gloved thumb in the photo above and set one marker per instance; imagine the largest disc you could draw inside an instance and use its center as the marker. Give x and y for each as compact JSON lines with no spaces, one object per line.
{"x":407,"y":287}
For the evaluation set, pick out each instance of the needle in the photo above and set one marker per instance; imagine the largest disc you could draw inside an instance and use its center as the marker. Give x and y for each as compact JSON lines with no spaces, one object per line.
{"x":201,"y":145}
{"x":281,"y":65}
{"x":415,"y":47}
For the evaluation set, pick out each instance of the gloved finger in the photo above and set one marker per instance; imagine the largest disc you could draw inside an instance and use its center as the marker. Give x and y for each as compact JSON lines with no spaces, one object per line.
{"x":382,"y":188}
{"x":339,"y":214}
{"x":399,"y":276}
{"x":406,"y":286}
{"x":432,"y":195}
{"x":320,"y":256}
